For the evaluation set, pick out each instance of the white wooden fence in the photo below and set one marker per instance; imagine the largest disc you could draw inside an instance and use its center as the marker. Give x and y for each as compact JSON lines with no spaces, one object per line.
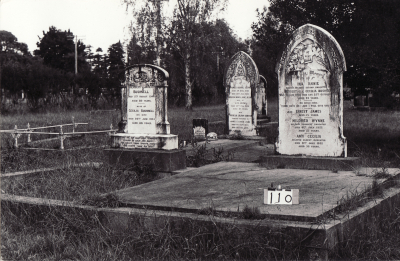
{"x":61,"y":135}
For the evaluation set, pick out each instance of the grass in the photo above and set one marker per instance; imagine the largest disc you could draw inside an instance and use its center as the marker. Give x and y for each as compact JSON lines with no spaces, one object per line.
{"x":27,"y":159}
{"x":373,"y":136}
{"x":46,"y":233}
{"x":51,"y":234}
{"x":76,"y":184}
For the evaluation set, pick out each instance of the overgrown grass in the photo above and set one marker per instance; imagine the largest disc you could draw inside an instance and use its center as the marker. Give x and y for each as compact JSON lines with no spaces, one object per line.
{"x":74,"y":183}
{"x":71,"y":182}
{"x":50,"y":233}
{"x":374,"y":136}
{"x":23,"y":159}
{"x":40,"y":233}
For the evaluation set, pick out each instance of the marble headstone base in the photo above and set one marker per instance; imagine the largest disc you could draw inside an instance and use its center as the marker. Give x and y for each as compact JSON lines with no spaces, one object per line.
{"x":159,"y":160}
{"x":158,"y":150}
{"x":308,"y":162}
{"x":144,"y":141}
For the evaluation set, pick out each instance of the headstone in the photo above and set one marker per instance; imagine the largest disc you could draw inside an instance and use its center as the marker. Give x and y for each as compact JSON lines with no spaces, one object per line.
{"x":144,"y":130}
{"x":200,"y":129}
{"x":241,"y":80}
{"x":310,"y":74}
{"x":144,"y":108}
{"x":262,"y":96}
{"x":360,"y":100}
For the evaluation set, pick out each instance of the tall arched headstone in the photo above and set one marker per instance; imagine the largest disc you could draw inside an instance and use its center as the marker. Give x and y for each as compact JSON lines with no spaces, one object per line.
{"x":310,"y":74}
{"x":144,"y":131}
{"x":241,"y":80}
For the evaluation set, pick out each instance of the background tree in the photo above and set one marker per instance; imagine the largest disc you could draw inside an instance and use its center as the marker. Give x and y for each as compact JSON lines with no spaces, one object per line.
{"x":368,"y":32}
{"x":208,"y":61}
{"x":194,"y":50}
{"x":13,"y":56}
{"x":99,"y":63}
{"x":57,"y":49}
{"x":186,"y":32}
{"x":139,"y":53}
{"x":115,"y":70}
{"x":93,"y":84}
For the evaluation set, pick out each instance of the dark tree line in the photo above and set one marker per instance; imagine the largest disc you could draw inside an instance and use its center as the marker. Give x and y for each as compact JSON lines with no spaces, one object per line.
{"x":367,"y":30}
{"x":48,"y":77}
{"x":195,"y":49}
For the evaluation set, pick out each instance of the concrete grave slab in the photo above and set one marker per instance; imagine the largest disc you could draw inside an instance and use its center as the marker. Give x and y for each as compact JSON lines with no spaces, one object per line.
{"x":230,"y":186}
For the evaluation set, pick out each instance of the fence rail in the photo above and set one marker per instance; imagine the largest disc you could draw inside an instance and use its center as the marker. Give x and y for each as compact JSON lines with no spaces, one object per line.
{"x":16,"y":133}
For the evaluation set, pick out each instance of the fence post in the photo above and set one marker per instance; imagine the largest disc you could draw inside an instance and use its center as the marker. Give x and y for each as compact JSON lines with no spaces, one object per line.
{"x":73,"y":124}
{"x":90,"y":121}
{"x":15,"y":135}
{"x":62,"y":137}
{"x":111,"y":130}
{"x":29,"y":130}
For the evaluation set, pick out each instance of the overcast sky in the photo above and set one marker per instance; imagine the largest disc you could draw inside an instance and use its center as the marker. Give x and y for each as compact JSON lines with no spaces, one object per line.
{"x":98,"y":23}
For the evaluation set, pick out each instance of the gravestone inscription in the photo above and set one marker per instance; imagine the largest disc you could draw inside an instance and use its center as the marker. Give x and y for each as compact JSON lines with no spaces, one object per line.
{"x":241,"y":79}
{"x":310,"y":75}
{"x":144,"y":110}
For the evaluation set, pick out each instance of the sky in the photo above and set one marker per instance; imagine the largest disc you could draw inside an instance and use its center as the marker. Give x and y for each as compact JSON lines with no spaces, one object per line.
{"x":99,"y":23}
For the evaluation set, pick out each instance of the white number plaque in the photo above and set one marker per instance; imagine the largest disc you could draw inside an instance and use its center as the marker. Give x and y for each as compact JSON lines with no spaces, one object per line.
{"x":281,"y":196}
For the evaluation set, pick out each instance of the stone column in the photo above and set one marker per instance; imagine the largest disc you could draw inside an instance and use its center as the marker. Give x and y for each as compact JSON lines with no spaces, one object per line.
{"x":122,"y":124}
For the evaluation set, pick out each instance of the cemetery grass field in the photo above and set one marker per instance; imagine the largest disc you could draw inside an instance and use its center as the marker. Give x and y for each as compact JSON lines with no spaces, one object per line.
{"x":70,"y":235}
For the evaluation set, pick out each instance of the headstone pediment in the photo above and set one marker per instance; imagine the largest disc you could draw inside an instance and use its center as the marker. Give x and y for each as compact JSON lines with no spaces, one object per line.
{"x":146,"y":73}
{"x":243,"y":66}
{"x":309,"y":34}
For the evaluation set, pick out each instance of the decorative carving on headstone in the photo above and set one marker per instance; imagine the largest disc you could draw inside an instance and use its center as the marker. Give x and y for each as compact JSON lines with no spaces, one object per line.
{"x":310,"y":75}
{"x":241,"y":80}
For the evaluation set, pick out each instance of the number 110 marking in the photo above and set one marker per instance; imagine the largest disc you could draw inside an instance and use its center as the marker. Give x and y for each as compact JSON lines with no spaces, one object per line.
{"x":282,"y":197}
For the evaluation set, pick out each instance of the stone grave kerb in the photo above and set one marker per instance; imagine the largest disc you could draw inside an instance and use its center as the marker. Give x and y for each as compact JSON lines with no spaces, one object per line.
{"x":241,"y":74}
{"x":154,"y":79}
{"x":262,"y":96}
{"x":311,"y":52}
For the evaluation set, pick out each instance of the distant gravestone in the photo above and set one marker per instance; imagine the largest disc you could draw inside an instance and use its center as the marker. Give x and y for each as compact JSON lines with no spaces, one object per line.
{"x":144,"y":131}
{"x":261,"y":96}
{"x":200,"y":129}
{"x":241,"y":80}
{"x":310,"y":75}
{"x":145,"y":110}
